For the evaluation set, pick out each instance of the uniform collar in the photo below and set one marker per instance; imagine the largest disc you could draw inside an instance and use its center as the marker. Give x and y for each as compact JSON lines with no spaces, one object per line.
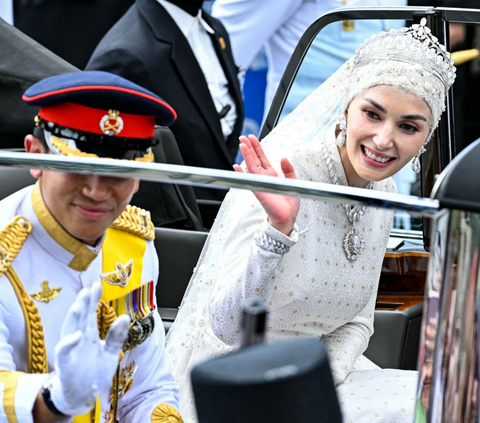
{"x":56,"y":240}
{"x":184,"y":20}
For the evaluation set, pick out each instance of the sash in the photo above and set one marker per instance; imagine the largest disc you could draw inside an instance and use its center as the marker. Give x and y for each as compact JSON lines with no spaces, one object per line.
{"x":122,"y":273}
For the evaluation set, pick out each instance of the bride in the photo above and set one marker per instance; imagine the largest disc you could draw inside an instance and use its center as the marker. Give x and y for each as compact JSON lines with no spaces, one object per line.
{"x":317,"y":264}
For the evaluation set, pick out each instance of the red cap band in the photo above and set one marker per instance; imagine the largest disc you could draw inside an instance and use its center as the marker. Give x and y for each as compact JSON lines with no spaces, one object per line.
{"x":101,"y":122}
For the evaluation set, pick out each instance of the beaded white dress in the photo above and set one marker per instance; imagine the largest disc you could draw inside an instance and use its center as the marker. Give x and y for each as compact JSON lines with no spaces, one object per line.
{"x":312,"y":291}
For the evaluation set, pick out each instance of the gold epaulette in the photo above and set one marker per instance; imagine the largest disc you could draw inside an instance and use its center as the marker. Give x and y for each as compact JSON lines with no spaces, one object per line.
{"x":12,"y":238}
{"x":136,"y":221}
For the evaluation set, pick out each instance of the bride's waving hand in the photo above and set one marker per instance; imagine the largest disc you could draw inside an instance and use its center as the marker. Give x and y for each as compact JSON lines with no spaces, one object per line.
{"x":281,"y":209}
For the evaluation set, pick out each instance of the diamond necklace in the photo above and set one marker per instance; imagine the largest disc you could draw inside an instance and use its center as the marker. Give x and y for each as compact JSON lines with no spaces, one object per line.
{"x":353,"y":242}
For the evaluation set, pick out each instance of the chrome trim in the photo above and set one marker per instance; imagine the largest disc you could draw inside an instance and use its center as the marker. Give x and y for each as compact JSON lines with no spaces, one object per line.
{"x":214,"y":178}
{"x":449,"y":385}
{"x":406,"y":234}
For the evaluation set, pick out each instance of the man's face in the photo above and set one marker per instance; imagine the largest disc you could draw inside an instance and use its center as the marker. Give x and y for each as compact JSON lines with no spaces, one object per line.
{"x":85,"y":205}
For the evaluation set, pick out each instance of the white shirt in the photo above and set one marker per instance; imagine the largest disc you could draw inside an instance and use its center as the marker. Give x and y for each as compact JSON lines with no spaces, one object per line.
{"x":197,"y":31}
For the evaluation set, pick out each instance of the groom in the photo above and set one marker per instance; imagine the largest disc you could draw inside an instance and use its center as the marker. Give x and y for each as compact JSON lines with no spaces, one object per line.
{"x":79,"y":334}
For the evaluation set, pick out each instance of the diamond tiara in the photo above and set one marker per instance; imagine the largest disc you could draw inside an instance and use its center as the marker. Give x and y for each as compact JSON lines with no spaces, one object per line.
{"x":414,"y":45}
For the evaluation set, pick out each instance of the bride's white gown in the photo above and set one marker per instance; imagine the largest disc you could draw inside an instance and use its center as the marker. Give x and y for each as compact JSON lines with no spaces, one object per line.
{"x":312,"y":291}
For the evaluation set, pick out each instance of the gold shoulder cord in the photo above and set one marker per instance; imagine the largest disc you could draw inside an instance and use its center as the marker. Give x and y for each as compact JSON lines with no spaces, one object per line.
{"x":12,"y":238}
{"x":137,"y":221}
{"x":106,"y":316}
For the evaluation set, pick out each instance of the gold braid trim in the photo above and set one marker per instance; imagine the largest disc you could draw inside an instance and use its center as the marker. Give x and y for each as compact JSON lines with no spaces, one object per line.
{"x":66,"y":150}
{"x":106,"y":316}
{"x":147,"y":158}
{"x":12,"y":238}
{"x":136,"y":221}
{"x":165,"y":413}
{"x":37,"y":353}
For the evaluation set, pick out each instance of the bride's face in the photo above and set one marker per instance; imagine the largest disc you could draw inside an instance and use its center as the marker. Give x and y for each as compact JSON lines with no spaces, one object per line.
{"x":385,"y":129}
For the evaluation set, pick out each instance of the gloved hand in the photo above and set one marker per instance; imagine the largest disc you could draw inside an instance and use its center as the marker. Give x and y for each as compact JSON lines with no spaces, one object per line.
{"x":85,"y":364}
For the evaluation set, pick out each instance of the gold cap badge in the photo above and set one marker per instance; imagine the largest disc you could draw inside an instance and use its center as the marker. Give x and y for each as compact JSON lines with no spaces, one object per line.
{"x":111,"y":124}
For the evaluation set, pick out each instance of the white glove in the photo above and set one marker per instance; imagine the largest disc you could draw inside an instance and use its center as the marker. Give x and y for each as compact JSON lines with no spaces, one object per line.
{"x":85,"y":364}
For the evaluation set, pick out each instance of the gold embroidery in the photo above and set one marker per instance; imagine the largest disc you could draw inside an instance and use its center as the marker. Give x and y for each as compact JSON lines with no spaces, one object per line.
{"x":125,"y":381}
{"x":165,"y":413}
{"x":143,"y":218}
{"x":137,"y":221}
{"x":10,"y":381}
{"x":121,"y":275}
{"x":66,"y":150}
{"x":146,"y":158}
{"x":109,"y":416}
{"x":47,"y":294}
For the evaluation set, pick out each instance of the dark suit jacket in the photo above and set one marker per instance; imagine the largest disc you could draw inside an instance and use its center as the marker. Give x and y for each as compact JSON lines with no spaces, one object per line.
{"x":146,"y":47}
{"x":22,"y":63}
{"x":71,"y":28}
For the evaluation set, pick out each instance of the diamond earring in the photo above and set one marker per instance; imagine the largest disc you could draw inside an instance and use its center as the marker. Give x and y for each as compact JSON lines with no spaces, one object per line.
{"x":342,"y":135}
{"x":416,"y":159}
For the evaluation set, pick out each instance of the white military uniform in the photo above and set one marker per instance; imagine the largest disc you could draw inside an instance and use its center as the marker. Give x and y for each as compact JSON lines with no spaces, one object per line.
{"x":43,"y":268}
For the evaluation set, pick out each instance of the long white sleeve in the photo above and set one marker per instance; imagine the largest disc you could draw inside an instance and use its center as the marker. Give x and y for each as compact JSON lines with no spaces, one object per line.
{"x":251,"y":275}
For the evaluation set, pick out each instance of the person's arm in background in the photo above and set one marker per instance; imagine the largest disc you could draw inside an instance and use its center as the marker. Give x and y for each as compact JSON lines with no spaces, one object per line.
{"x":252,"y":23}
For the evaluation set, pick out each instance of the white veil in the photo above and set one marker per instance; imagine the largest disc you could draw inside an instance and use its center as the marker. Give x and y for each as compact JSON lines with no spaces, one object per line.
{"x":191,"y":340}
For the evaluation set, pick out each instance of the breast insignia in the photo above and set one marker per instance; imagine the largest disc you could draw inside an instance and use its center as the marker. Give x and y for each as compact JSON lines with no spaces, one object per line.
{"x":121,"y":275}
{"x":12,"y":238}
{"x":125,"y":381}
{"x":47,"y":294}
{"x":137,"y":221}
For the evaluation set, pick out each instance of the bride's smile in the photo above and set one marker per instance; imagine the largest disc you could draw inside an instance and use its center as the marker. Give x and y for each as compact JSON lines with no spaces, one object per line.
{"x":385,"y":129}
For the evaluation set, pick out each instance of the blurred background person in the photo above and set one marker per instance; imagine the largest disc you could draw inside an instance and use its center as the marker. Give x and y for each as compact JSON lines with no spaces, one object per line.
{"x":278,"y":26}
{"x":71,"y":29}
{"x":177,"y":50}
